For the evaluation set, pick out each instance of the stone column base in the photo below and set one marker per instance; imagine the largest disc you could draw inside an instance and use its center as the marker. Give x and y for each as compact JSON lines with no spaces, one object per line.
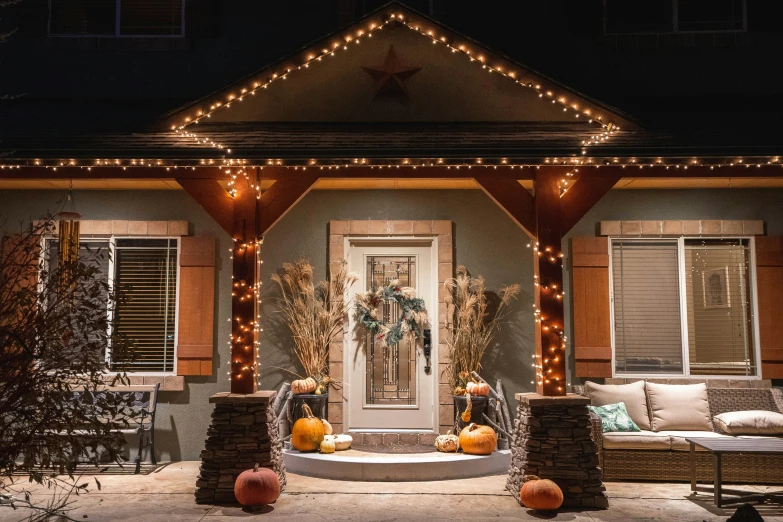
{"x":243,"y":432}
{"x":552,"y":441}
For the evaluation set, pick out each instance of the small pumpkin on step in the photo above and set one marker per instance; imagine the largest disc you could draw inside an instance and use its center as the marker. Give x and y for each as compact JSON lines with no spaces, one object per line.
{"x":308,"y":432}
{"x":476,"y":439}
{"x":448,"y":443}
{"x":327,"y":445}
{"x":540,"y":494}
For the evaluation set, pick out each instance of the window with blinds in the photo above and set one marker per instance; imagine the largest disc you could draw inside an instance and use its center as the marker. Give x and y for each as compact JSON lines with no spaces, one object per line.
{"x":116,"y":17}
{"x":646,"y":293}
{"x":146,"y":273}
{"x":717,"y":286}
{"x":682,"y":306}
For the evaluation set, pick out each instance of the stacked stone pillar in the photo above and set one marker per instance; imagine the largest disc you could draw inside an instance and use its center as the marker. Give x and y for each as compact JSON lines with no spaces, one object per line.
{"x":552,"y":441}
{"x":243,"y":432}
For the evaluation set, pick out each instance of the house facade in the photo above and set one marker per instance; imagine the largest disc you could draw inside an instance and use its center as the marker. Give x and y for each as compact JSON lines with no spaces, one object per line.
{"x":403,"y":148}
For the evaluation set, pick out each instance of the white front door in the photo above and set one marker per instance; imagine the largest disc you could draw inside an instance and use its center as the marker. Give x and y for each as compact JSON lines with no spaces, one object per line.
{"x":387,"y":388}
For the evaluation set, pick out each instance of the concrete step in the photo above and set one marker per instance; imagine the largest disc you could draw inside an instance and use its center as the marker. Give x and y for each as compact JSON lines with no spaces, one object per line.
{"x":395,"y":467}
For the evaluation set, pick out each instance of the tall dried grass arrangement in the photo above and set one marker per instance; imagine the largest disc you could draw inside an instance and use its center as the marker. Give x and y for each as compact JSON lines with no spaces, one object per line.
{"x":314,"y":312}
{"x":470,"y":328}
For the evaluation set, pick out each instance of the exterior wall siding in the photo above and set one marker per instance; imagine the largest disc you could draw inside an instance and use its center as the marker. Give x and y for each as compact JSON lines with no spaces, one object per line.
{"x":485,"y":240}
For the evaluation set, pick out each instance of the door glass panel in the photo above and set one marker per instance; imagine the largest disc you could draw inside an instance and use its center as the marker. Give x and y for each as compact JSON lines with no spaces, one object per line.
{"x":391,"y":370}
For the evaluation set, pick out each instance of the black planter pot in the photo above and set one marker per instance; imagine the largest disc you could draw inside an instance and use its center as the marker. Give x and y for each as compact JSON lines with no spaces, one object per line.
{"x":476,"y":414}
{"x":317,"y":403}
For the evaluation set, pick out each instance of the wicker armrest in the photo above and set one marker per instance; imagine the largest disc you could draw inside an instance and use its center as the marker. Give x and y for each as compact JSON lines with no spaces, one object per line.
{"x":597,"y":433}
{"x":777,"y":396}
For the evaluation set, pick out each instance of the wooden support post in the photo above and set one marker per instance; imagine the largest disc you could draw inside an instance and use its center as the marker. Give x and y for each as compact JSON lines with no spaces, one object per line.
{"x":548,"y":290}
{"x":244,"y":279}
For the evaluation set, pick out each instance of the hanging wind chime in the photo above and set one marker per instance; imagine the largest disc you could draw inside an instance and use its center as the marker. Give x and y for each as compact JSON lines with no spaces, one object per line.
{"x":68,"y":233}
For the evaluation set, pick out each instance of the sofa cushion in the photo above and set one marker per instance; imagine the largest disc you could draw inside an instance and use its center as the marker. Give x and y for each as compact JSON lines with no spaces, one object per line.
{"x":630,"y":394}
{"x":754,"y":422}
{"x":680,"y":444}
{"x":636,"y":440}
{"x":614,"y":417}
{"x":679,"y":407}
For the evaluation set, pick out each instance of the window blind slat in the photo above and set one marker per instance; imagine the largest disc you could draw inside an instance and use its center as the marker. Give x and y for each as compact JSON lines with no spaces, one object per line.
{"x":147,"y":276}
{"x":648,"y":333}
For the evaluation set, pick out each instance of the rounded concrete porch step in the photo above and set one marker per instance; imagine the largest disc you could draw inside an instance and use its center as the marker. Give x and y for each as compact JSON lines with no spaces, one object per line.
{"x":394,"y":467}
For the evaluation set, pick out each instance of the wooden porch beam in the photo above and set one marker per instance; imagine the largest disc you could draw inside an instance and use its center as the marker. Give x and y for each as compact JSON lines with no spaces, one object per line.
{"x":278,"y":199}
{"x":583,"y":195}
{"x":213,"y":198}
{"x":514,"y":199}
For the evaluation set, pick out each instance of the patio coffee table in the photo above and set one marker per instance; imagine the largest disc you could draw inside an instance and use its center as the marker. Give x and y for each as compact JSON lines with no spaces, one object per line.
{"x":721,"y":446}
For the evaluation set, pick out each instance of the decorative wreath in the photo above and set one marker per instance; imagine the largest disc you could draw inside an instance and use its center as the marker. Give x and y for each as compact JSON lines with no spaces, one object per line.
{"x":412,"y":315}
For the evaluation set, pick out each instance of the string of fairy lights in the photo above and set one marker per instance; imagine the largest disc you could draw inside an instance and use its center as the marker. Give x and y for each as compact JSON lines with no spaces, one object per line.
{"x":312,"y":57}
{"x":244,"y":292}
{"x":666,"y":163}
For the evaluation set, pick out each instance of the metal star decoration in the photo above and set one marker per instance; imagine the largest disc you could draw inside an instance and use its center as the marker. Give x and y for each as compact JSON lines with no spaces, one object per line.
{"x":391,"y":76}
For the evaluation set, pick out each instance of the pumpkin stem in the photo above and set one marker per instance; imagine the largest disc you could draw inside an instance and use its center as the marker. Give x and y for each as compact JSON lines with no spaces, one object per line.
{"x":472,"y":426}
{"x":307,"y":411}
{"x":255,"y":467}
{"x":528,"y":478}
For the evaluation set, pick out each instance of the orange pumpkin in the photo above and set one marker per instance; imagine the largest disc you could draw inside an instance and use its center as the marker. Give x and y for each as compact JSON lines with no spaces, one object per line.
{"x":478,"y":388}
{"x":308,"y":432}
{"x":257,"y":486}
{"x":303,"y":386}
{"x":476,"y":439}
{"x":540,"y":494}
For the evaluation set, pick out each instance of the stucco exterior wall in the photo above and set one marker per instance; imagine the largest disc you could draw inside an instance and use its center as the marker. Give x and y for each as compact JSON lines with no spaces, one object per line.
{"x":485,"y":240}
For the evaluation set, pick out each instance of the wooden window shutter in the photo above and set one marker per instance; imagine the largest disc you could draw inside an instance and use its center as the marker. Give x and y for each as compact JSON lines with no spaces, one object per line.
{"x":591,"y":306}
{"x":769,"y":288}
{"x":195,"y":329}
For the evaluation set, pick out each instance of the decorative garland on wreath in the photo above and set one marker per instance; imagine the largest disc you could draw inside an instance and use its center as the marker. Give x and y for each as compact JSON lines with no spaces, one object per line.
{"x":412,"y":315}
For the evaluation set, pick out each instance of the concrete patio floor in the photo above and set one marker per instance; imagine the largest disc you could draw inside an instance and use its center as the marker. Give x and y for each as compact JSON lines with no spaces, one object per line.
{"x":166,"y":494}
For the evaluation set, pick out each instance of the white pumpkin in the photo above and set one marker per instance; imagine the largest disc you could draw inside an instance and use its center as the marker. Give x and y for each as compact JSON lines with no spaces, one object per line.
{"x":342,"y":442}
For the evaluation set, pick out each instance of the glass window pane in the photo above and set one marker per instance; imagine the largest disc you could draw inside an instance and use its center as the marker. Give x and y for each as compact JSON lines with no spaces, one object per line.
{"x":146,"y":316}
{"x":93,"y":254}
{"x":151,"y":17}
{"x":638,"y":16}
{"x":710,"y":15}
{"x":391,"y":370}
{"x":647,"y":327}
{"x":718,"y":292}
{"x":82,"y":17}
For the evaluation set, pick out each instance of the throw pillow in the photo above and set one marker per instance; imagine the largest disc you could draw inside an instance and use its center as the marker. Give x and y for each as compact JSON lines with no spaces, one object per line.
{"x":754,"y":422}
{"x":631,"y":394}
{"x":614,"y":417}
{"x":679,"y":407}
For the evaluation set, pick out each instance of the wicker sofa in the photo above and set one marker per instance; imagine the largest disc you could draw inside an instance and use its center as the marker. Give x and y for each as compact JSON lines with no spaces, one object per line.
{"x":664,"y":456}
